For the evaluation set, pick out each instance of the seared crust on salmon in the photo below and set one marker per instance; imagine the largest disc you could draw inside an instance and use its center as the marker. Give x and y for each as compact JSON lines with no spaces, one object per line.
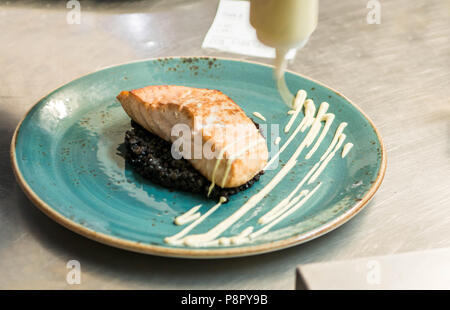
{"x":225,"y":130}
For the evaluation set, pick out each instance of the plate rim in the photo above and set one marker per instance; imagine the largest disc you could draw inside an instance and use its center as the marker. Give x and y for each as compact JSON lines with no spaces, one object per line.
{"x":144,"y":248}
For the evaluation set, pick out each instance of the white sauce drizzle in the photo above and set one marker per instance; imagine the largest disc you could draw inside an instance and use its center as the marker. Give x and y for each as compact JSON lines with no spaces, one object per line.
{"x":219,"y":160}
{"x":288,"y":205}
{"x":287,"y":201}
{"x":317,"y":123}
{"x":339,"y":130}
{"x":284,"y":91}
{"x":259,"y":115}
{"x":177,"y":238}
{"x":188,"y":216}
{"x":309,"y":114}
{"x":346,"y":149}
{"x":280,"y":67}
{"x":327,"y":159}
{"x":309,"y":109}
{"x":277,"y":140}
{"x":285,"y":214}
{"x":233,"y":158}
{"x":298,"y":105}
{"x":280,"y":209}
{"x":328,"y":118}
{"x":237,"y":239}
{"x":213,"y":177}
{"x":199,"y":239}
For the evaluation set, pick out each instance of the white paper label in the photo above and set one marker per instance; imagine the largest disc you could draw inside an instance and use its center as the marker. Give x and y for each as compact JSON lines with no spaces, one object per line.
{"x":231,"y":32}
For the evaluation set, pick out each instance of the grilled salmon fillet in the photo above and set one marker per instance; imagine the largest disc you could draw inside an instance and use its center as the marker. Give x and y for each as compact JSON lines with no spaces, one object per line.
{"x":225,"y":145}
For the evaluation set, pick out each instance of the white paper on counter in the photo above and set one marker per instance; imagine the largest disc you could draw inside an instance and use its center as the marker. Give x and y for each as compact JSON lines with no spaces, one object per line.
{"x":231,"y":32}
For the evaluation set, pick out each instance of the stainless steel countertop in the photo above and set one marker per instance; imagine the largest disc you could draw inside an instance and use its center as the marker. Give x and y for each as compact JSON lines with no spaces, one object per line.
{"x":397,"y":71}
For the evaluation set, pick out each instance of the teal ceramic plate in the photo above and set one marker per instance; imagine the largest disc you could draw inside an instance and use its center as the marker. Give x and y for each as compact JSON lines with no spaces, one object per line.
{"x":65,"y":156}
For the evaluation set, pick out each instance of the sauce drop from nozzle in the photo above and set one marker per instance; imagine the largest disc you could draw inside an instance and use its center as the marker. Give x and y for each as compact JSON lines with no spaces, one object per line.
{"x":280,"y":68}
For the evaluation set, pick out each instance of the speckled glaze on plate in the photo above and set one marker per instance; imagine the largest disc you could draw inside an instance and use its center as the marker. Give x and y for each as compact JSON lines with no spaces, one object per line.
{"x":66,"y":157}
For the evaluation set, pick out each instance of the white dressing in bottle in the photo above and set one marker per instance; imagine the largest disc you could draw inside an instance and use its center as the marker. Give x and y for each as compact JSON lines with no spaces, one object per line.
{"x":284,"y":24}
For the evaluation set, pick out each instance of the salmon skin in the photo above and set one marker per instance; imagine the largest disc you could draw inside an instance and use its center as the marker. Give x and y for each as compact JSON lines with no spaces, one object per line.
{"x":218,"y":138}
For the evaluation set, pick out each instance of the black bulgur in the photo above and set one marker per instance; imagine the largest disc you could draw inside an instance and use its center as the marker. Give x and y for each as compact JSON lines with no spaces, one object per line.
{"x":151,"y":157}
